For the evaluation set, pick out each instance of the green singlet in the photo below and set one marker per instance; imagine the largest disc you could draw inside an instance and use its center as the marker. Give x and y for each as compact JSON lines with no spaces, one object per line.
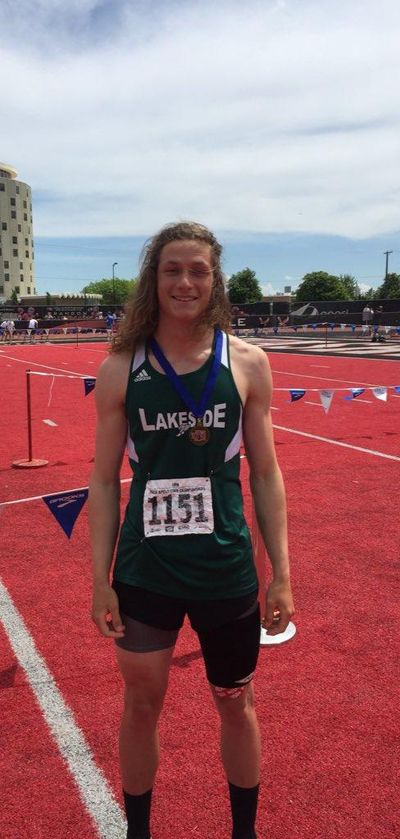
{"x":184,"y":533}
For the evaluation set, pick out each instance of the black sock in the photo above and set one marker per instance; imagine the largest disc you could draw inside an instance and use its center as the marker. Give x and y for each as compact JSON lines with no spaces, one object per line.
{"x":137,"y":808}
{"x":244,"y":809}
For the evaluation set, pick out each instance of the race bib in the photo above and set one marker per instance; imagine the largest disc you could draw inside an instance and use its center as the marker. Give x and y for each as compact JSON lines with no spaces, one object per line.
{"x":178,"y":507}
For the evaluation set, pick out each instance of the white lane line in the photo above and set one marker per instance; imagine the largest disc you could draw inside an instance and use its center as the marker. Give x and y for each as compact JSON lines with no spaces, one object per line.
{"x":359,"y":357}
{"x":338,"y":443}
{"x":50,"y":422}
{"x":325,"y":366}
{"x":55,"y":492}
{"x":94,"y":790}
{"x":358,"y":399}
{"x":47,"y":366}
{"x":353,"y":382}
{"x":274,"y":409}
{"x":318,"y":404}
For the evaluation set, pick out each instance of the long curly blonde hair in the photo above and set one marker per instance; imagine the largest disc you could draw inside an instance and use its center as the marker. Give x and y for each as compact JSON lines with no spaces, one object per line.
{"x":141,"y":310}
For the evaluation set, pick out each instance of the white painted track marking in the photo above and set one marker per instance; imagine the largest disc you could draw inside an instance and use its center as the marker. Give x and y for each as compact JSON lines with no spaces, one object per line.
{"x":47,"y":366}
{"x":338,"y":443}
{"x":50,"y":422}
{"x":353,"y":382}
{"x":55,"y":492}
{"x":93,"y":788}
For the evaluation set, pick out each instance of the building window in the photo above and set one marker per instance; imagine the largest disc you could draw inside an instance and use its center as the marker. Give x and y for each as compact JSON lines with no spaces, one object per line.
{"x":1,"y":289}
{"x":27,"y":254}
{"x":1,"y":187}
{"x":26,"y":242}
{"x":21,"y":276}
{"x":6,"y":263}
{"x":17,"y":289}
{"x":12,"y":202}
{"x":25,"y":217}
{"x":17,"y":190}
{"x":21,"y":265}
{"x":13,"y":214}
{"x":6,"y":277}
{"x":4,"y":225}
{"x":25,"y":205}
{"x":28,"y":288}
{"x":19,"y":228}
{"x":15,"y":252}
{"x":14,"y":240}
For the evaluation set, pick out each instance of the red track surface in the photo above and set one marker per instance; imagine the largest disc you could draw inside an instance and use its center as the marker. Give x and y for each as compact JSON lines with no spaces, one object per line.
{"x":327,"y":701}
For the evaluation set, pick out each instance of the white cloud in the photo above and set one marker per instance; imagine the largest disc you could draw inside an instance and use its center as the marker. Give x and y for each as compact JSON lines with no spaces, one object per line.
{"x":273,"y":116}
{"x":268,"y":289}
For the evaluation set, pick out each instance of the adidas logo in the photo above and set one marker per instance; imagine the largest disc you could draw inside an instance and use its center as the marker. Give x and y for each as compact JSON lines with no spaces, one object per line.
{"x":142,"y":377}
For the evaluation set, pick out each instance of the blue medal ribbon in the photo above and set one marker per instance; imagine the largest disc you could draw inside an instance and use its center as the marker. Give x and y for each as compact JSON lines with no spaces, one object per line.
{"x":197,"y":408}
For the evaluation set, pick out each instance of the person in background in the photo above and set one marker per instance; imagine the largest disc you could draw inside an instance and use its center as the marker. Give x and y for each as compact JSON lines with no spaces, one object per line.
{"x":32,"y":327}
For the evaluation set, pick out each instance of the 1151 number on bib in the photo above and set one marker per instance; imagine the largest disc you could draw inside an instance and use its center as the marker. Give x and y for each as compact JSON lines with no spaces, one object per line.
{"x":178,"y":507}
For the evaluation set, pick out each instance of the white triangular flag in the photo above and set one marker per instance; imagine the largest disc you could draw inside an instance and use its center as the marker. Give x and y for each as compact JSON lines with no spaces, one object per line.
{"x":342,"y":325}
{"x":387,"y":329}
{"x":380,"y":393}
{"x":326,"y":397}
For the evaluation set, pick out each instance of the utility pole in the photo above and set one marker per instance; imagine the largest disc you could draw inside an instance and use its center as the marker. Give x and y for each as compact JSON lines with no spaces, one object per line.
{"x":113,"y":282}
{"x":387,"y":262}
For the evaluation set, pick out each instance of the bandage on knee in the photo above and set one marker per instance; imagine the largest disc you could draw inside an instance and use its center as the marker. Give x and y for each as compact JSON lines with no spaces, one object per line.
{"x":229,"y":693}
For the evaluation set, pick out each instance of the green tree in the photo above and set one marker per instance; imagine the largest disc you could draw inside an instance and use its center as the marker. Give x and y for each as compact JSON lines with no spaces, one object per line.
{"x":113,"y":292}
{"x":351,"y":285}
{"x":14,"y":296}
{"x":390,"y":288}
{"x":244,"y":287}
{"x":319,"y":285}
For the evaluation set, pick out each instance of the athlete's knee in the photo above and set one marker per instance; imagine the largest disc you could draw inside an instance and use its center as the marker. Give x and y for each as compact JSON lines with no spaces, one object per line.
{"x":235,"y":702}
{"x":141,"y":706}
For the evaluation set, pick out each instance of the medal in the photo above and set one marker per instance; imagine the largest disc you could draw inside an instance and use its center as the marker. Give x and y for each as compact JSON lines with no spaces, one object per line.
{"x":198,"y":435}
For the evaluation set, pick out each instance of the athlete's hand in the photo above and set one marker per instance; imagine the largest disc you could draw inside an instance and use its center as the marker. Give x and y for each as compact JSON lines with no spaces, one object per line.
{"x":105,"y":611}
{"x":279,"y":607}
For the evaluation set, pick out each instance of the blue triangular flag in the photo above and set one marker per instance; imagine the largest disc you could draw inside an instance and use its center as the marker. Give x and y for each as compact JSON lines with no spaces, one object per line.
{"x":66,"y":507}
{"x":89,"y":384}
{"x":397,"y":388}
{"x":295,"y":395}
{"x":355,"y":391}
{"x":353,"y":327}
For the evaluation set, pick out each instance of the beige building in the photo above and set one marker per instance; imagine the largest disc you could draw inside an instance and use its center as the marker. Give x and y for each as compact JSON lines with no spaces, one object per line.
{"x":17,"y":267}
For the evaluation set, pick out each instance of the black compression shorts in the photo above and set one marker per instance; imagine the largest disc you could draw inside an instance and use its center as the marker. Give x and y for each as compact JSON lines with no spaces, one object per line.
{"x":228,"y":630}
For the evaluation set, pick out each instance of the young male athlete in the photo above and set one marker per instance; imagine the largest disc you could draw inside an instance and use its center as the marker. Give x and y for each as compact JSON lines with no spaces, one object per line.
{"x":182,"y":392}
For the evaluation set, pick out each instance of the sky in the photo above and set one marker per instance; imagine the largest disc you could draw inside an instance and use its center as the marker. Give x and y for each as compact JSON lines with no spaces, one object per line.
{"x":275,"y":123}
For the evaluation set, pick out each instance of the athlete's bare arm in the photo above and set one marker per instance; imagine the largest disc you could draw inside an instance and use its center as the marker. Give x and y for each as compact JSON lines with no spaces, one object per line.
{"x":104,"y":489}
{"x":252,"y":374}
